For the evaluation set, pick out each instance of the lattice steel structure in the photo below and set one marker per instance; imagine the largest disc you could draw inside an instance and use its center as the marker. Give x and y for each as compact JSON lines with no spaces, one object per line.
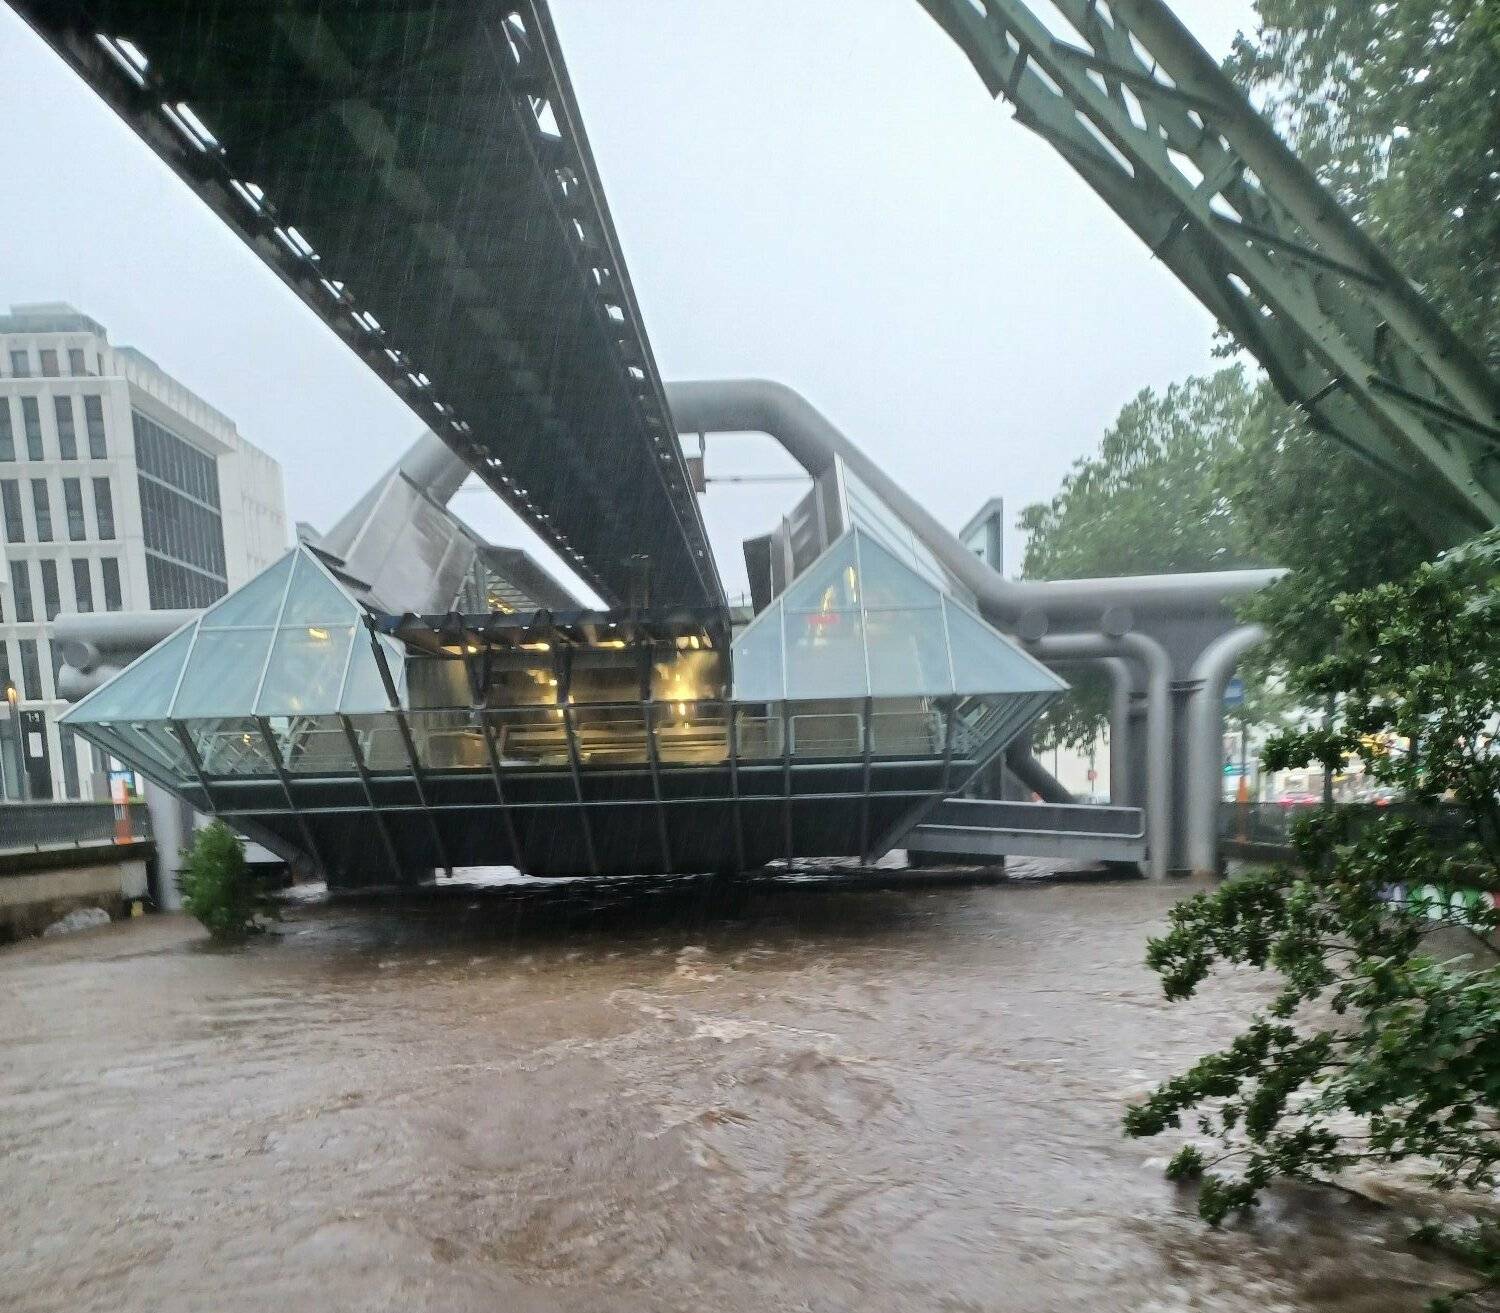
{"x":1142,"y":112}
{"x":417,"y":172}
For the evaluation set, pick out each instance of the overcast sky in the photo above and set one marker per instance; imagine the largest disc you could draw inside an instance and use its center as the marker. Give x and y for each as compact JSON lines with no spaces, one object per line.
{"x":815,"y":191}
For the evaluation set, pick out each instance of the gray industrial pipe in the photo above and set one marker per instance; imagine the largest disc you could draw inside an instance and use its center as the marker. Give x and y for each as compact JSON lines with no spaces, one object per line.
{"x":1210,"y":675}
{"x":1158,"y":670}
{"x":760,"y":406}
{"x":86,"y":640}
{"x":1036,"y":777}
{"x":1121,"y":686}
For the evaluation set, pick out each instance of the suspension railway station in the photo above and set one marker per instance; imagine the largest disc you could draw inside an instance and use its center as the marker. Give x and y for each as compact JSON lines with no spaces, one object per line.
{"x":398,"y":697}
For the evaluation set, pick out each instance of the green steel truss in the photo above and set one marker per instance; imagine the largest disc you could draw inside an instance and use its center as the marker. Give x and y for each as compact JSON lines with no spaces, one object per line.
{"x":1144,"y":114}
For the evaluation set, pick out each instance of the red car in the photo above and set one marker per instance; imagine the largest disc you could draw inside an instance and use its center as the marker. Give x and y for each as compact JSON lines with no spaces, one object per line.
{"x":1299,"y":799}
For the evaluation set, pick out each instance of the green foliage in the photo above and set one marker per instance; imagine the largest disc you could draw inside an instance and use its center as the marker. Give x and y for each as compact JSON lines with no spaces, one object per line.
{"x":217,"y":886}
{"x":1396,"y":106}
{"x":1148,"y":502}
{"x":1317,"y":510}
{"x":1372,"y":1050}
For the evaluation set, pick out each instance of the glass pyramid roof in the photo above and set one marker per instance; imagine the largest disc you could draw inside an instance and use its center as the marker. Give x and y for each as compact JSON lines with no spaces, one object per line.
{"x":862,"y":622}
{"x":291,"y":642}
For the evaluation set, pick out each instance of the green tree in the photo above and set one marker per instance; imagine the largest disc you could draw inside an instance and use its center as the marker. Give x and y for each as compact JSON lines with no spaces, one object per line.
{"x":1396,"y":106}
{"x":1148,"y":502}
{"x":1372,"y":1050}
{"x":217,"y":886}
{"x":1301,"y":502}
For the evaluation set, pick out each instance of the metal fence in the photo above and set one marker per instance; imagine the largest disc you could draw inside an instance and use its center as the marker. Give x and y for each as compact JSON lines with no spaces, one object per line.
{"x":1269,"y":824}
{"x":34,"y":826}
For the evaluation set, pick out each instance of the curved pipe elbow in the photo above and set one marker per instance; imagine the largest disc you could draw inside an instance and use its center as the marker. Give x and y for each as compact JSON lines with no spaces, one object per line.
{"x":813,"y":441}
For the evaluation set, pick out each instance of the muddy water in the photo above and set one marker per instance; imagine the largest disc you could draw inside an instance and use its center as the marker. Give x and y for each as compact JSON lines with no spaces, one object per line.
{"x":787,"y":1098}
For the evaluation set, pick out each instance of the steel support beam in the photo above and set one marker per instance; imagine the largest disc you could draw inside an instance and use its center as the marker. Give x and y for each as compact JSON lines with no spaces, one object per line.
{"x":1152,"y":123}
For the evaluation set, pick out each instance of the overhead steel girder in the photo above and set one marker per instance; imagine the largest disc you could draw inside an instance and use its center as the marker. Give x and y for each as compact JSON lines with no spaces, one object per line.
{"x":1144,"y":114}
{"x":417,"y":172}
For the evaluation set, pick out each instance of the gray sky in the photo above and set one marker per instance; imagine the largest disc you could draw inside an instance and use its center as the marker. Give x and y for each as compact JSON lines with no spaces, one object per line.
{"x":815,"y":191}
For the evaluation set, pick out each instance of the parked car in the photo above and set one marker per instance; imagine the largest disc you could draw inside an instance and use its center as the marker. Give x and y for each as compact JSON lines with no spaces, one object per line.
{"x":1299,"y":799}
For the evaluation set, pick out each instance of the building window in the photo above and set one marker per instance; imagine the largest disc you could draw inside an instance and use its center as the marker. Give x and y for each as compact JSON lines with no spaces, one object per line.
{"x":20,"y":364}
{"x":83,"y":587}
{"x":43,"y":509}
{"x":172,"y":586}
{"x":67,"y":437}
{"x":93,"y":418}
{"x":77,"y":366}
{"x":5,"y":681}
{"x":73,"y":501}
{"x":20,"y":591}
{"x":7,"y":434}
{"x":31,"y":671}
{"x":31,"y":418}
{"x":109,"y":568}
{"x":180,"y":523}
{"x":49,"y":362}
{"x":51,"y":596}
{"x":10,"y":502}
{"x":104,"y":509}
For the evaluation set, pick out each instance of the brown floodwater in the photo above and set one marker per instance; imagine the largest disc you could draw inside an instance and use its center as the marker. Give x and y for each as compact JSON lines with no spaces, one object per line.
{"x":637,"y":1096}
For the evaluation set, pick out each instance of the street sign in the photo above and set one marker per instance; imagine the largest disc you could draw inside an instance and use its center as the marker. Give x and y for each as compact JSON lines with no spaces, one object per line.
{"x":1234,"y":692}
{"x":1233,"y":768}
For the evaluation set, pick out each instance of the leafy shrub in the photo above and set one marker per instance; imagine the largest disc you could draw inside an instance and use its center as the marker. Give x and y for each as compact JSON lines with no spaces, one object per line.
{"x":1379,"y":1045}
{"x":217,"y":886}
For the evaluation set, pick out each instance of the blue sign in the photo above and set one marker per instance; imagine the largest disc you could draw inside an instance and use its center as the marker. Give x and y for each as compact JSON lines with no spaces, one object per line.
{"x":1234,"y":692}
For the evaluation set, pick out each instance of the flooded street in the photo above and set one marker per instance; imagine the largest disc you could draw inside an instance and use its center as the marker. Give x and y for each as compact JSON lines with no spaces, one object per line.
{"x":782,"y":1098}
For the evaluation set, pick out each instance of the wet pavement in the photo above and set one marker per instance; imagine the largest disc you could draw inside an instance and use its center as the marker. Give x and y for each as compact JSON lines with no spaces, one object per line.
{"x":638,"y":1096}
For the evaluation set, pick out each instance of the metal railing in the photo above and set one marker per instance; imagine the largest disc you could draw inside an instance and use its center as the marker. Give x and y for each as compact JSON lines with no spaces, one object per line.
{"x":35,"y":826}
{"x":1269,"y":824}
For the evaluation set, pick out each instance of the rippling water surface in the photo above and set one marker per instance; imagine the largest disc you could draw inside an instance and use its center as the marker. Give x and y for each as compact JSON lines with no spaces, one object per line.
{"x":635,"y":1097}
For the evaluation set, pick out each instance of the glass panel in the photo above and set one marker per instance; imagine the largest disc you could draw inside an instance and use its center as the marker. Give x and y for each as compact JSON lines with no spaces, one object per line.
{"x":608,"y":676}
{"x":825,"y":654}
{"x":759,"y":737}
{"x":437,"y":681}
{"x":314,"y":597}
{"x":688,"y":675}
{"x":364,"y":690}
{"x":154,"y":742}
{"x":223,"y":673}
{"x":530,"y":736}
{"x":305,"y":671}
{"x":380,"y":741}
{"x":522,"y":679}
{"x":610,"y":736}
{"x":906,"y":728}
{"x":985,"y":661}
{"x":869,"y":512}
{"x":141,"y":689}
{"x":231,"y":746}
{"x":256,"y":603}
{"x":696,"y":733}
{"x":448,"y":740}
{"x":757,"y":659}
{"x":907,"y":652}
{"x":889,"y":582}
{"x":827,"y":734}
{"x":313,"y":745}
{"x":831,"y":583}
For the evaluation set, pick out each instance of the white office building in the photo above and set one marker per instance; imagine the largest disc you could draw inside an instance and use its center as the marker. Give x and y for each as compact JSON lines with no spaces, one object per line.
{"x":120,"y":490}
